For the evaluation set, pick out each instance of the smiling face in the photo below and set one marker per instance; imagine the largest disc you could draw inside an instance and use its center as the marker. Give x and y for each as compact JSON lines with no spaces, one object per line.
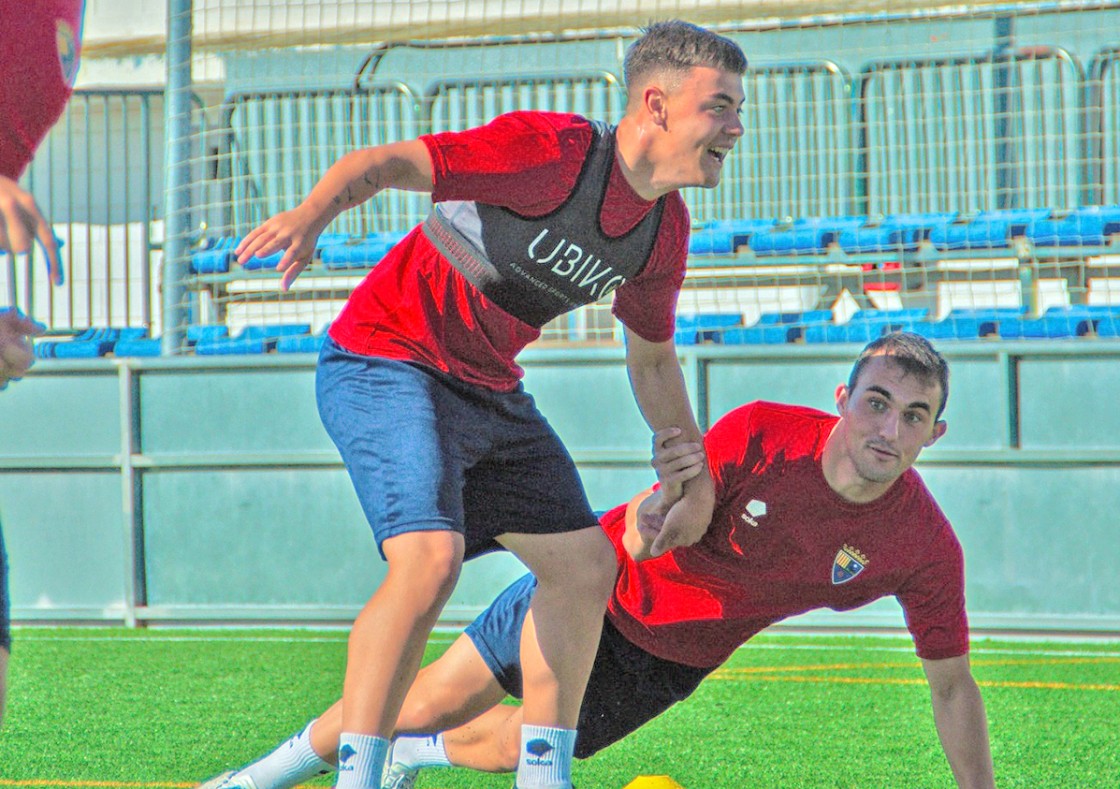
{"x":697,"y":120}
{"x":885,"y":422}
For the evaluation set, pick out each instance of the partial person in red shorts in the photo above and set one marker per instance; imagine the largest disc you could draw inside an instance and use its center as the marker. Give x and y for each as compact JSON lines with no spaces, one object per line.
{"x":39,"y":45}
{"x":535,"y":214}
{"x":812,"y":511}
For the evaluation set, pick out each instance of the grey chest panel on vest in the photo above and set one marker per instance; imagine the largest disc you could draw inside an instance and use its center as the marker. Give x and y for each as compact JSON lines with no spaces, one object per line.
{"x":537,"y":268}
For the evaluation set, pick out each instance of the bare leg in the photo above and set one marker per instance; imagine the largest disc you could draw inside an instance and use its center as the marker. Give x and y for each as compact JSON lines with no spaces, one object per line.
{"x":575,"y":574}
{"x":325,"y":731}
{"x":446,"y":694}
{"x":491,"y":742}
{"x":388,"y":638}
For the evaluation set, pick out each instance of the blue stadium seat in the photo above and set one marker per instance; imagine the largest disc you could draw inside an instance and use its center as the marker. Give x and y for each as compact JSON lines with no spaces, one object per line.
{"x":217,"y":258}
{"x":359,"y":253}
{"x":948,"y":329}
{"x":206,"y":332}
{"x":704,"y":326}
{"x":976,"y":323}
{"x":325,"y":241}
{"x":866,"y":325}
{"x":1058,"y":322}
{"x":986,"y":230}
{"x":1108,"y":325}
{"x":810,"y":236}
{"x":307,"y":343}
{"x":1043,"y":328}
{"x":146,"y":346}
{"x":90,"y":344}
{"x":901,"y":318}
{"x":724,"y":236}
{"x":1078,"y":320}
{"x":777,"y":328}
{"x":776,"y":334}
{"x":844,"y":332}
{"x":1087,"y":226}
{"x":894,"y":233}
{"x":153,"y":346}
{"x":809,"y":316}
{"x":251,"y":340}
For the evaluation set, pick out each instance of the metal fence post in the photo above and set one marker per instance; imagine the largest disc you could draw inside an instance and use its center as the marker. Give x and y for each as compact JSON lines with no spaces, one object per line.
{"x":177,"y":114}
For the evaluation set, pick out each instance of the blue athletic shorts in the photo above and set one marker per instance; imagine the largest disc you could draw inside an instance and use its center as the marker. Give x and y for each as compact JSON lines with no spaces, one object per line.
{"x":628,"y":686}
{"x":5,"y":602}
{"x":426,"y":452}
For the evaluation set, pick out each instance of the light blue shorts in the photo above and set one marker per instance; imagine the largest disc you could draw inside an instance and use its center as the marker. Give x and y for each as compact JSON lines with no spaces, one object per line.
{"x":426,"y":452}
{"x":628,"y":686}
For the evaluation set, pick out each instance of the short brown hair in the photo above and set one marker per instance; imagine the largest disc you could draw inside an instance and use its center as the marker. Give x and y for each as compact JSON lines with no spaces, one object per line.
{"x":914,"y":354}
{"x":678,"y":46}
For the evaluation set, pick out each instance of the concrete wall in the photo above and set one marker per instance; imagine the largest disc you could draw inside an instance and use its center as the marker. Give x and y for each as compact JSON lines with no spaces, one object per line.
{"x":190,"y":489}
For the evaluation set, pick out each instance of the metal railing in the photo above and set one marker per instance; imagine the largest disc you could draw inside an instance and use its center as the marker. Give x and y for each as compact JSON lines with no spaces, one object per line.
{"x":970,"y":133}
{"x":98,"y":177}
{"x":1004,"y":128}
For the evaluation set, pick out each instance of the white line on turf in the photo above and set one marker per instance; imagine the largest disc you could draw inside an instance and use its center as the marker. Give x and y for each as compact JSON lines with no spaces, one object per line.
{"x":150,"y":638}
{"x":444,"y":637}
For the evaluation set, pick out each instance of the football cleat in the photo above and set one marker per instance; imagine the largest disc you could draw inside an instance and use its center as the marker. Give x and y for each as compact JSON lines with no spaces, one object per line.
{"x":398,"y":776}
{"x":229,"y":780}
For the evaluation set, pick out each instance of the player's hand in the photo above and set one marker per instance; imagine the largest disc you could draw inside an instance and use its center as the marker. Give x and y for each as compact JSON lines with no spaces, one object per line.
{"x":22,"y":223}
{"x":676,"y":462}
{"x":649,"y":525}
{"x":16,"y":356}
{"x":678,"y":530}
{"x":295,"y":231}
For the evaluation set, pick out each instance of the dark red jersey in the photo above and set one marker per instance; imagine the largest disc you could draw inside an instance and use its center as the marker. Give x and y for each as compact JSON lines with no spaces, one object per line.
{"x":415,"y":306}
{"x":782,"y":542}
{"x":39,"y":48}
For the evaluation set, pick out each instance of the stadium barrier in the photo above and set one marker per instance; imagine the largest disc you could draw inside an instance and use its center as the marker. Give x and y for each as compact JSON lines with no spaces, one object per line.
{"x":204,"y":488}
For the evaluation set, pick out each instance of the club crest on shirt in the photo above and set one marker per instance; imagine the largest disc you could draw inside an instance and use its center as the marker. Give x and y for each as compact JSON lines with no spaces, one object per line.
{"x":849,"y":563}
{"x":753,"y":511}
{"x":67,"y":51}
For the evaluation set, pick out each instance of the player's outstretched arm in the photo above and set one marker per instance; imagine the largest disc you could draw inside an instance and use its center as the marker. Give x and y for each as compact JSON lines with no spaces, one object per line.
{"x":962,"y":725}
{"x":22,"y":223}
{"x":658,"y":384}
{"x":350,"y":181}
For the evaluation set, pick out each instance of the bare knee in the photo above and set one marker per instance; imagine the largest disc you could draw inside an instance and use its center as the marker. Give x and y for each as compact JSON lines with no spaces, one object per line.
{"x":588,"y":574}
{"x":427,"y":564}
{"x":420,"y":715}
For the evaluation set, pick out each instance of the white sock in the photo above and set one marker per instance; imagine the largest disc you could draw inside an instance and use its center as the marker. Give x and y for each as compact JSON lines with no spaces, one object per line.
{"x":292,"y":763}
{"x":360,"y":759}
{"x":420,"y":751}
{"x":546,"y":758}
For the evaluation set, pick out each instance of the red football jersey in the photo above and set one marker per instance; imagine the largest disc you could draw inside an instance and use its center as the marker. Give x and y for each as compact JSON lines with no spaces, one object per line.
{"x":39,"y":48}
{"x":415,"y":306}
{"x":782,"y":542}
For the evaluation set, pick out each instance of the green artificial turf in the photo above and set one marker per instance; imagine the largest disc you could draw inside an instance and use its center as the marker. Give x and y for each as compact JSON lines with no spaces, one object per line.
{"x":113,"y":708}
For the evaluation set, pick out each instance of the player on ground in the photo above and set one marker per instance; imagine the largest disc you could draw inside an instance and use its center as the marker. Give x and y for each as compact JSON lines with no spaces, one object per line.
{"x":536,"y":213}
{"x":812,"y":511}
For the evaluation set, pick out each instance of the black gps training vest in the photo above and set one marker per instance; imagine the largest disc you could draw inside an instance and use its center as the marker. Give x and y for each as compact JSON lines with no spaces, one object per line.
{"x":536,"y":268}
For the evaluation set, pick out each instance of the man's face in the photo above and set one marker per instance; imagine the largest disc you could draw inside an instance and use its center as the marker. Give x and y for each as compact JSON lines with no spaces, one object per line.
{"x":887,"y":420}
{"x":701,"y":125}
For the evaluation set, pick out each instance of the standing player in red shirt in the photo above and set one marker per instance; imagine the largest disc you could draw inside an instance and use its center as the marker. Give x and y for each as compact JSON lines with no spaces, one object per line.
{"x":535,"y":214}
{"x":39,"y":45}
{"x":812,"y":511}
